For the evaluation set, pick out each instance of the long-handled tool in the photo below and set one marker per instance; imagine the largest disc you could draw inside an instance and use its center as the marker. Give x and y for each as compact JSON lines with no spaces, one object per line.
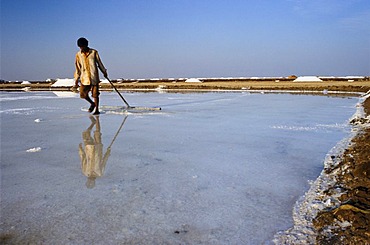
{"x":120,"y":95}
{"x":132,"y":107}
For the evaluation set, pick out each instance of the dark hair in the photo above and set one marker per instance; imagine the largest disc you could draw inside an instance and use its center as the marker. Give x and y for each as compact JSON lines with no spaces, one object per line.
{"x":82,"y":42}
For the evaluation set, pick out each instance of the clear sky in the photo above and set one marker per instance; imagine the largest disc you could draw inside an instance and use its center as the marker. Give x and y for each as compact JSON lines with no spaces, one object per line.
{"x":187,"y":38}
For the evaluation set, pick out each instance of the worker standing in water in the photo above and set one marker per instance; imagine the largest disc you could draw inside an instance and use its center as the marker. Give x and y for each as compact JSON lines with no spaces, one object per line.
{"x":87,"y":63}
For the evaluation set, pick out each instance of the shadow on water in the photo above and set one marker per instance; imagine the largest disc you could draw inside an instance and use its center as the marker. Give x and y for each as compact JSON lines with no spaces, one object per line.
{"x":93,"y":161}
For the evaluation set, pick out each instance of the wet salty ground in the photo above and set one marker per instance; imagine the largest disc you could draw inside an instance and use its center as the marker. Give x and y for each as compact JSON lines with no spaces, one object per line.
{"x":209,"y":168}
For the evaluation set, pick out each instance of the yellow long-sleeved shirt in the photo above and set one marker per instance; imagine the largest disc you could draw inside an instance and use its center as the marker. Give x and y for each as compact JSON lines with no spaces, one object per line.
{"x":87,"y":65}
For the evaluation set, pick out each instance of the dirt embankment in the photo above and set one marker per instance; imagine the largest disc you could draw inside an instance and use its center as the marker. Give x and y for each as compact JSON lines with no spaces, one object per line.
{"x":349,"y":223}
{"x":356,"y":86}
{"x":359,"y":86}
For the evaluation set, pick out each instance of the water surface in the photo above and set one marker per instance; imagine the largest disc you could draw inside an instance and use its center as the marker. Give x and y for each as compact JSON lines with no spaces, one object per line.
{"x":213,"y":168}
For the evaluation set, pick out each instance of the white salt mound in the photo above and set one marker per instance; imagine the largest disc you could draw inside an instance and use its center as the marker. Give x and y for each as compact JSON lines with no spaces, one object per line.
{"x":193,"y":80}
{"x":66,"y":82}
{"x":308,"y":79}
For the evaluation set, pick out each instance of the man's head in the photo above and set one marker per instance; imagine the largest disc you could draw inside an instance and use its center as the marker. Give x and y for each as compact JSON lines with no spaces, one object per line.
{"x":82,"y":42}
{"x":90,"y":183}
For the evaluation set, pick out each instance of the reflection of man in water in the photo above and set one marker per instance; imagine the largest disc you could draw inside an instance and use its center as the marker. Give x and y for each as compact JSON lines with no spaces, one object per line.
{"x":92,"y":160}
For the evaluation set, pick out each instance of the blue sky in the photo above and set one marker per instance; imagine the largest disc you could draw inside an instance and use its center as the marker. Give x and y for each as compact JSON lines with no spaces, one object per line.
{"x":187,"y":38}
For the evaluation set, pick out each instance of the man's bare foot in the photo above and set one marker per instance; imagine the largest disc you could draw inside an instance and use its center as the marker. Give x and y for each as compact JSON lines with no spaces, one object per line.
{"x":96,"y":112}
{"x":92,"y":107}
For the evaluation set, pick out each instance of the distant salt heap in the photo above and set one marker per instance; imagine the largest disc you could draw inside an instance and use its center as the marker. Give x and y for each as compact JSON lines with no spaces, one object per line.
{"x":307,"y":79}
{"x":66,"y":82}
{"x":193,"y":80}
{"x":104,"y":81}
{"x":25,"y":83}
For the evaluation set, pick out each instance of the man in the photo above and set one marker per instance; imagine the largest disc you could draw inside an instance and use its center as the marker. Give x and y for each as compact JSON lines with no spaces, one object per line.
{"x":87,"y":64}
{"x":91,"y":153}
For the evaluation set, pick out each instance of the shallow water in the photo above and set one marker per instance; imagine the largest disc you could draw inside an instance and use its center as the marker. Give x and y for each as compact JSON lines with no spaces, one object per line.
{"x":213,"y":168}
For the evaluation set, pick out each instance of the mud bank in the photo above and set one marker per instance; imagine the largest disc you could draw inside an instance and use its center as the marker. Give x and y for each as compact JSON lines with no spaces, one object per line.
{"x":343,"y":86}
{"x":348,"y":222}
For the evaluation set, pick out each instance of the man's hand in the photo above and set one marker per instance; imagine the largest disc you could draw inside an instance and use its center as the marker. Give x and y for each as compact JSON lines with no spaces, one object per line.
{"x":75,"y":87}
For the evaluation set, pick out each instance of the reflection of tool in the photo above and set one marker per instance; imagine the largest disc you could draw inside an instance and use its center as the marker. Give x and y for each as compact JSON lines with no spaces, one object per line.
{"x":115,"y":136}
{"x":132,"y":107}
